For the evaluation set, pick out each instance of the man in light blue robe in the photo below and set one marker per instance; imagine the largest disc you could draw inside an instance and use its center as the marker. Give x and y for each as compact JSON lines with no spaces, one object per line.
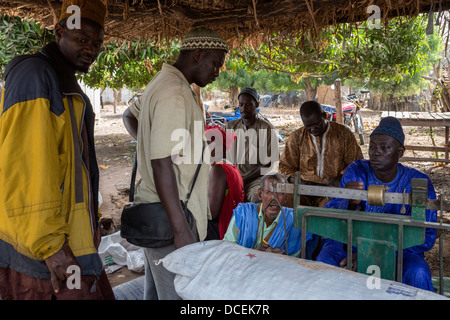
{"x":267,"y":226}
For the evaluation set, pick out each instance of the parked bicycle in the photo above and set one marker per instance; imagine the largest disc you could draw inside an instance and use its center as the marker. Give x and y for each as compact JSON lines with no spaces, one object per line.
{"x":218,"y":118}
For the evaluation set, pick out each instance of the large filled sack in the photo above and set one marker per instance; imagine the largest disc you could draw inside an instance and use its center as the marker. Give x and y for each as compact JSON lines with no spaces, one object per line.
{"x":221,"y":270}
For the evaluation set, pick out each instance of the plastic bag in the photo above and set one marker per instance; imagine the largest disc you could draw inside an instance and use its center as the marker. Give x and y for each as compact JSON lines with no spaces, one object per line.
{"x":116,"y":252}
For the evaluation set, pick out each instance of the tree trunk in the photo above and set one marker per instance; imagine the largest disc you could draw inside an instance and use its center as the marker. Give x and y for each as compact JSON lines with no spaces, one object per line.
{"x":444,"y":96}
{"x":117,"y":96}
{"x":101,"y":99}
{"x":311,"y":91}
{"x":234,"y":92}
{"x":338,"y":101}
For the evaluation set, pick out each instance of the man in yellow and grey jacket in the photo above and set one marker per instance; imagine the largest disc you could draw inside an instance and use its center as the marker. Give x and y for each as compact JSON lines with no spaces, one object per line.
{"x":48,"y":169}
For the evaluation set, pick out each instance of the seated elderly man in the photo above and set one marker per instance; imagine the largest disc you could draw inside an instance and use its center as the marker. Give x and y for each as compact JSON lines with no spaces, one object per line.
{"x":256,"y":149}
{"x":320,"y":151}
{"x":262,"y":226}
{"x":385,"y":149}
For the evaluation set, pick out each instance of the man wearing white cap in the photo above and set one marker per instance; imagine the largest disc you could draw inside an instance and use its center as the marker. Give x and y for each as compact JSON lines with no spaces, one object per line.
{"x":168,"y":107}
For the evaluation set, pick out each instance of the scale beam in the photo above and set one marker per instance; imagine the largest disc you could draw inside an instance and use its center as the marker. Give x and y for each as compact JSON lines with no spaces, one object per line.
{"x":354,"y":194}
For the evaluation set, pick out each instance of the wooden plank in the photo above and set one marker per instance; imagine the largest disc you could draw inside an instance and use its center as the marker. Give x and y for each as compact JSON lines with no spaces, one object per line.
{"x":414,"y":122}
{"x":412,"y":119}
{"x":445,"y":115}
{"x":395,"y":114}
{"x":406,"y":159}
{"x":441,"y":116}
{"x":424,"y":119}
{"x":436,"y":115}
{"x":428,"y":118}
{"x":432,"y":120}
{"x":425,"y":116}
{"x":414,"y":115}
{"x":440,"y":122}
{"x":425,"y":148}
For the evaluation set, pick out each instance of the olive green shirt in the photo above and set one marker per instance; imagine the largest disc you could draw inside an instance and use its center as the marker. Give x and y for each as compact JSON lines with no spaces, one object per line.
{"x":254,"y":147}
{"x":171,"y":123}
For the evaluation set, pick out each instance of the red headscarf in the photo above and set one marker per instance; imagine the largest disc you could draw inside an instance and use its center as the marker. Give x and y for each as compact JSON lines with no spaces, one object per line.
{"x":227,"y":137}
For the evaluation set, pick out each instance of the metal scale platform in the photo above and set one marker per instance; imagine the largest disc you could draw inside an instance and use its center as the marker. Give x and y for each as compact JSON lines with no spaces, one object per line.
{"x":377,"y":236}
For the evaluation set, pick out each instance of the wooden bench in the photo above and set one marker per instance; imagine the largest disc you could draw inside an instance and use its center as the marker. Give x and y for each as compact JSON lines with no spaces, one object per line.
{"x":424,"y":119}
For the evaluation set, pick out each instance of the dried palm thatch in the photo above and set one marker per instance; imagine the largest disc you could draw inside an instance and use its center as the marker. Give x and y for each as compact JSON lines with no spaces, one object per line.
{"x":234,"y":19}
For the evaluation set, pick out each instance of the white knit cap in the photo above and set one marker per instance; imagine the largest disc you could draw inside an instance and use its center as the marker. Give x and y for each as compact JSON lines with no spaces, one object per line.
{"x":203,"y":38}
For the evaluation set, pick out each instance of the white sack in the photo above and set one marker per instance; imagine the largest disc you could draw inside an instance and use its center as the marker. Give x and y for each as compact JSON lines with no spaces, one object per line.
{"x":222,"y":270}
{"x":116,"y":252}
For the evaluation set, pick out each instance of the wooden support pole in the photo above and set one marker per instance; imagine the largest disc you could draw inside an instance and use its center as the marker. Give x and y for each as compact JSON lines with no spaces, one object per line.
{"x":447,"y":142}
{"x":338,"y":103}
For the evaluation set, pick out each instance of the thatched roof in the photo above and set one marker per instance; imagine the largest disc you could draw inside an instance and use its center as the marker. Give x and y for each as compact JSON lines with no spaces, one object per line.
{"x":234,"y":19}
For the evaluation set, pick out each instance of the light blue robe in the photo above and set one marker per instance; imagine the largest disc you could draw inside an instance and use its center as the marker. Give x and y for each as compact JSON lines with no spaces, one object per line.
{"x":246,"y":219}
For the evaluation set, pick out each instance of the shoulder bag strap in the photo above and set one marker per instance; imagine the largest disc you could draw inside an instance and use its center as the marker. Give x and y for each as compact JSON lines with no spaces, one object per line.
{"x":197,"y":171}
{"x":133,"y":178}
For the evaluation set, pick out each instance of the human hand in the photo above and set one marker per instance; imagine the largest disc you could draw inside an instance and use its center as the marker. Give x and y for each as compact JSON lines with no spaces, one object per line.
{"x":58,"y":264}
{"x":183,"y":237}
{"x":264,"y":246}
{"x":353,"y":204}
{"x":344,"y":262}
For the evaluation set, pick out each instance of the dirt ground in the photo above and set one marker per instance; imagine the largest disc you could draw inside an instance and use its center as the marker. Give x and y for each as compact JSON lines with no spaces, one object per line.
{"x":115,"y":150}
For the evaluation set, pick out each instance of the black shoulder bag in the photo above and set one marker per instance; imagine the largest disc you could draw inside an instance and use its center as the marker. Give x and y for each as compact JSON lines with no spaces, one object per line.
{"x":147,"y":224}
